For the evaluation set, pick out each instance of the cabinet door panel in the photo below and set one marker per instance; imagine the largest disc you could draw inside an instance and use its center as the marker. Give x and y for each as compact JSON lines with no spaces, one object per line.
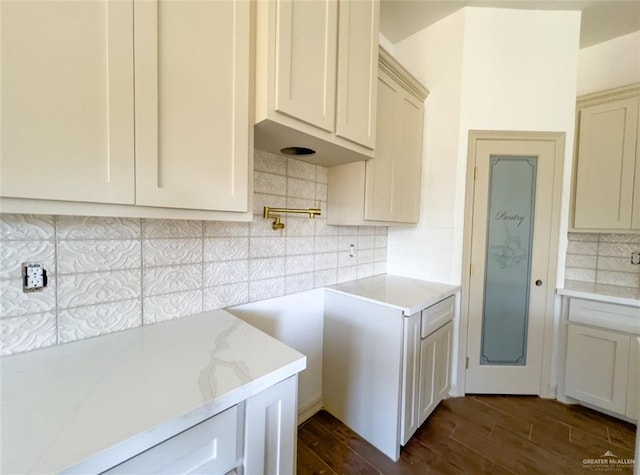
{"x":380,"y":181}
{"x":606,"y":165}
{"x":428,"y":376}
{"x":409,"y":168}
{"x":66,"y":101}
{"x":306,"y":42}
{"x":633,"y":382}
{"x":596,"y":367}
{"x":635,"y":218}
{"x":410,"y":377}
{"x":443,"y":362}
{"x":192,"y":104}
{"x":357,"y":71}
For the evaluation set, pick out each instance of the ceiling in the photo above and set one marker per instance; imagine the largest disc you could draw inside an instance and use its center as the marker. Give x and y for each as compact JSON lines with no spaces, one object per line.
{"x":602,"y":20}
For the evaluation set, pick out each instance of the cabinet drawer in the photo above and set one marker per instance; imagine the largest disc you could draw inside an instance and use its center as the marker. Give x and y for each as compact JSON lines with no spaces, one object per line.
{"x":606,"y":315}
{"x":437,"y":315}
{"x":210,"y":447}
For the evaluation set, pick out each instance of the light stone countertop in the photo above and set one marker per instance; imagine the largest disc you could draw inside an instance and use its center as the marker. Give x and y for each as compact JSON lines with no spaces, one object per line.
{"x":600,"y":292}
{"x":93,"y":403}
{"x":403,"y":293}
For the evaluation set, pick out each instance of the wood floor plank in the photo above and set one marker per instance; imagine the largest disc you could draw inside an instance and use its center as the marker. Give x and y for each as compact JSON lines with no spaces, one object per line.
{"x":473,"y":435}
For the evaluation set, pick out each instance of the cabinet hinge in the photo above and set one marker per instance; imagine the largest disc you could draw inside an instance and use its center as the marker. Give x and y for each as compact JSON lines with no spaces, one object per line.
{"x":475,"y":173}
{"x":466,"y":363}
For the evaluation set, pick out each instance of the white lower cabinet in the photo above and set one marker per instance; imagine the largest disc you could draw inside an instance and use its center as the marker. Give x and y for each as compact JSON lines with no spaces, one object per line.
{"x":382,"y":375}
{"x":601,"y":364}
{"x":255,"y":436}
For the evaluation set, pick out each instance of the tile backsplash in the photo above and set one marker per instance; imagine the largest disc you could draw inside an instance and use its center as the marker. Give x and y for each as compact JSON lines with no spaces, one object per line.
{"x":110,"y":274}
{"x":603,"y":259}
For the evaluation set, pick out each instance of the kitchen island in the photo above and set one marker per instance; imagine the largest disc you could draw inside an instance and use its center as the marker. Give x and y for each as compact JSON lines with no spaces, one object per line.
{"x":90,"y":405}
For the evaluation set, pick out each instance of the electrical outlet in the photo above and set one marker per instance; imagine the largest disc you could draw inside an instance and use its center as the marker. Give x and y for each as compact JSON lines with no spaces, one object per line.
{"x":635,"y":258}
{"x":352,"y":250}
{"x":34,"y":277}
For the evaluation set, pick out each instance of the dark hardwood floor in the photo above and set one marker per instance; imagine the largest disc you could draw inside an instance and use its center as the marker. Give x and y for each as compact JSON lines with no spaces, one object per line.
{"x":478,"y":434}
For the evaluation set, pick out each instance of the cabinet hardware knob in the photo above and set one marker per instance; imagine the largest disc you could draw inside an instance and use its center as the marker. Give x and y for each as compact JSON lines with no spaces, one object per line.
{"x":538,"y":283}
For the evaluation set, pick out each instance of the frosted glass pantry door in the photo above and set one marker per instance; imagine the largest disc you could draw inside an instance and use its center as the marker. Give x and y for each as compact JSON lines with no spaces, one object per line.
{"x":512,"y":218}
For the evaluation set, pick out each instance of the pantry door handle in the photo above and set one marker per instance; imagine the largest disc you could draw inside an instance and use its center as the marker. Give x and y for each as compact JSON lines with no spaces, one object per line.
{"x":538,"y":283}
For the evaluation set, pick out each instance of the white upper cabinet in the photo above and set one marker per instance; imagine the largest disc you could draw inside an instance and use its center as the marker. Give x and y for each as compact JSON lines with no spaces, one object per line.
{"x":66,"y":101}
{"x":87,"y":85}
{"x":192,"y":77}
{"x":607,"y":176}
{"x":386,"y":189}
{"x":316,"y":77}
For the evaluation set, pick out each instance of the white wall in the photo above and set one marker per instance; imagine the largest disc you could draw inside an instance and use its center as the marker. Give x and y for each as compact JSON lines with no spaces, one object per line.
{"x":610,"y":64}
{"x":296,"y":320}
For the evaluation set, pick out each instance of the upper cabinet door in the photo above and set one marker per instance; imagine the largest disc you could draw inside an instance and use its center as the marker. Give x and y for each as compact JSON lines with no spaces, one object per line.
{"x":606,"y":165}
{"x":357,"y":71}
{"x":305,"y":57}
{"x":66,"y":100}
{"x":192,"y":78}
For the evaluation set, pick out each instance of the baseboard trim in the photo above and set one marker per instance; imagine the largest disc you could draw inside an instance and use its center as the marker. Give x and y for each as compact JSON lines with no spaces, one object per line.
{"x":309,"y":409}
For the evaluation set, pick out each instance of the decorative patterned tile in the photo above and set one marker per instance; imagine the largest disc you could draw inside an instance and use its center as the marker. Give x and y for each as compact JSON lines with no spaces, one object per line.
{"x":15,"y":303}
{"x":27,"y":333}
{"x":321,"y":192}
{"x":300,"y":227}
{"x":298,"y":283}
{"x":324,"y":229}
{"x":14,"y":253}
{"x":366,"y":242}
{"x":366,"y":230}
{"x":621,"y":238}
{"x":266,"y":289}
{"x":616,"y":264}
{"x":297,"y":188}
{"x":260,"y":200}
{"x":585,"y":262}
{"x":266,"y":247}
{"x":266,"y":268}
{"x":326,"y":260}
{"x":380,"y":240}
{"x":269,"y":162}
{"x":302,"y":203}
{"x":300,"y":245}
{"x":346,"y":274}
{"x":225,"y":272}
{"x":225,"y":229}
{"x":93,"y":256}
{"x":380,"y":255}
{"x":345,"y":259}
{"x":321,"y":174}
{"x":583,"y":275}
{"x":26,"y":227}
{"x":76,"y":290}
{"x":381,"y":230}
{"x":624,"y":279}
{"x":299,"y":169}
{"x":379,"y":268}
{"x":165,"y":280}
{"x":167,"y":252}
{"x":299,"y":264}
{"x":577,"y":247}
{"x":223,"y":296}
{"x":159,"y":308}
{"x":326,"y":244}
{"x":261,"y":227}
{"x":364,"y":270}
{"x":171,"y":228}
{"x":226,"y":249}
{"x":92,"y":227}
{"x":365,"y":256}
{"x":617,"y":249}
{"x":583,"y":237}
{"x":347,"y":230}
{"x":270,"y":183}
{"x":345,"y":242}
{"x":325,"y":277}
{"x":85,"y":322}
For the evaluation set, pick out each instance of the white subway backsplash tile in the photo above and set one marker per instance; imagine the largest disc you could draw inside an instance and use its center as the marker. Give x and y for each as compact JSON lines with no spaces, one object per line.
{"x":109,"y":274}
{"x":580,"y":247}
{"x":624,"y":279}
{"x":582,"y":275}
